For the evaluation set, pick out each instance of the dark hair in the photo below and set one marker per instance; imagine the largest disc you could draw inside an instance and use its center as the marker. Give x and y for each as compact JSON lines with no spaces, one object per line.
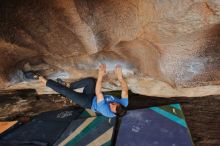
{"x":121,"y":110}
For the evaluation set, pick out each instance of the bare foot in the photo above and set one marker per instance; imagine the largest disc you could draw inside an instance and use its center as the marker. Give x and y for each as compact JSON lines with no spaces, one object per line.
{"x":118,"y":72}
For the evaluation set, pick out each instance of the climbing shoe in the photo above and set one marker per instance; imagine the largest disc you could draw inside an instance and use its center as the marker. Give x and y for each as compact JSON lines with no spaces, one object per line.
{"x":31,"y":75}
{"x":61,"y":82}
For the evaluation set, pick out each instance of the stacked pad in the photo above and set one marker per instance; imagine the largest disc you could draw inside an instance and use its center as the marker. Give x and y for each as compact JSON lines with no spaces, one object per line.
{"x":62,"y":127}
{"x":88,"y":129}
{"x":94,"y":131}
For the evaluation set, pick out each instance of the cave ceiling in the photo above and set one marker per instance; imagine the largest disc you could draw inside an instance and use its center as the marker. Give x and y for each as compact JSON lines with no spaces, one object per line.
{"x":166,"y":48}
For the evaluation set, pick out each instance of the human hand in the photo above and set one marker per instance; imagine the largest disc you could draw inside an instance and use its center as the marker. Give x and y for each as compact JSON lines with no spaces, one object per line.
{"x":118,"y":72}
{"x":102,"y":70}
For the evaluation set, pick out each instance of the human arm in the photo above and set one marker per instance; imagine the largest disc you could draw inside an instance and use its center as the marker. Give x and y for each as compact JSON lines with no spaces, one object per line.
{"x":124,"y":86}
{"x":98,"y":88}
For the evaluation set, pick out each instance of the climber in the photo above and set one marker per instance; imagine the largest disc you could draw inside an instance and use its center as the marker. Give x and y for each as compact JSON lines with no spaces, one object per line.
{"x":92,"y":96}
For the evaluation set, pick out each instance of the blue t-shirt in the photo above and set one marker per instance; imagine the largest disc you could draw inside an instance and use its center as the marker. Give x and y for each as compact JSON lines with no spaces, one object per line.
{"x":103,"y":106}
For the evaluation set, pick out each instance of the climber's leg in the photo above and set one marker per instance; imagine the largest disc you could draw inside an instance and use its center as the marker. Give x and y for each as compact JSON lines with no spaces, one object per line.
{"x":81,"y":99}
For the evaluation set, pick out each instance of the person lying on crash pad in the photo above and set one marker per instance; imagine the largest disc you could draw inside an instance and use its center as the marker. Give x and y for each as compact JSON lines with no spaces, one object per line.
{"x":92,"y":96}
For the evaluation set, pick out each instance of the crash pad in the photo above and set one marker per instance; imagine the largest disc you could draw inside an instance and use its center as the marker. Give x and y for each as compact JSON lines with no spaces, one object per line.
{"x":155,"y":126}
{"x":68,"y":126}
{"x":159,"y":126}
{"x":91,"y":131}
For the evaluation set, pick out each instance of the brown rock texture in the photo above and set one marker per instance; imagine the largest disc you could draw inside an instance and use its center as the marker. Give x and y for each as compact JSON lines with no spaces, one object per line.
{"x":166,"y":48}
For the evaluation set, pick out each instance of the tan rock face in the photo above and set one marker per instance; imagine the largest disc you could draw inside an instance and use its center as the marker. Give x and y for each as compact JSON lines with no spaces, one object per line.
{"x":166,"y":48}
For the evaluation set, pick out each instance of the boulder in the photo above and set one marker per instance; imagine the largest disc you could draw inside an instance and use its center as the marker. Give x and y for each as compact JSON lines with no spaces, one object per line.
{"x":166,"y":48}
